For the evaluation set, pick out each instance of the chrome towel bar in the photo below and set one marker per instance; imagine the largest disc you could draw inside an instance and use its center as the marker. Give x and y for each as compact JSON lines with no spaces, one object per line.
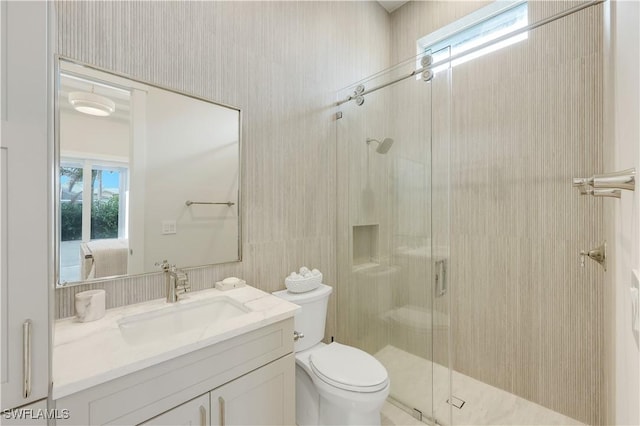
{"x":189,"y":202}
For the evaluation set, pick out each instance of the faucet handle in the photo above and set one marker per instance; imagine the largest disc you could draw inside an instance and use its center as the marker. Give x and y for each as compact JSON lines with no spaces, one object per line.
{"x":599,"y":254}
{"x":183,"y":285}
{"x":164,"y":265}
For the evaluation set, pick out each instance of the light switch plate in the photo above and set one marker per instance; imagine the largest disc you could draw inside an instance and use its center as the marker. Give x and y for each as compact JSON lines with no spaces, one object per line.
{"x":168,"y":227}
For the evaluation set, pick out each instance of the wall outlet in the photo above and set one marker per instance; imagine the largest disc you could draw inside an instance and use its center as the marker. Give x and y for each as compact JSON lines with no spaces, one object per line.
{"x":168,"y":227}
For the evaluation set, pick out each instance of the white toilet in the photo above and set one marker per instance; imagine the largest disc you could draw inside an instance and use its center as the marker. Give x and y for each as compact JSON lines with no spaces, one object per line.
{"x":335,"y":384}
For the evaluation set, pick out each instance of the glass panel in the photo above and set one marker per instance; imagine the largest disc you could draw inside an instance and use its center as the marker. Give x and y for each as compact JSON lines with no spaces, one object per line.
{"x":440,"y":241}
{"x":71,"y":189}
{"x":105,"y":203}
{"x":385,"y":292}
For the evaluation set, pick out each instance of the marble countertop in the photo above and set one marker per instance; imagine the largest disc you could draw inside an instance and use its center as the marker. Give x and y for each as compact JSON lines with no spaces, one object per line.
{"x":88,"y":354}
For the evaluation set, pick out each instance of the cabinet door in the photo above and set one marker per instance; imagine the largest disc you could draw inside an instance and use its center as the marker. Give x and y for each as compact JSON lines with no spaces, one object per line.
{"x":30,"y":415}
{"x":192,"y":413}
{"x":265,"y":396}
{"x":24,"y":203}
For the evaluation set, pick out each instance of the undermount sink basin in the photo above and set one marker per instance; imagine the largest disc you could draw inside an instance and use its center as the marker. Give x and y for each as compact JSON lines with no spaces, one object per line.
{"x":179,"y":319}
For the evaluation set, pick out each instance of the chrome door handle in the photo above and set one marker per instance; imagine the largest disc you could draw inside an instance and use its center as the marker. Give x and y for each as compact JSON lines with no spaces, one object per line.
{"x":441,"y":277}
{"x":26,"y":358}
{"x":222,"y":414}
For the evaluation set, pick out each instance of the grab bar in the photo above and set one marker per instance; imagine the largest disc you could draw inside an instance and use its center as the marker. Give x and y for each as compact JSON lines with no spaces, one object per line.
{"x":189,"y":202}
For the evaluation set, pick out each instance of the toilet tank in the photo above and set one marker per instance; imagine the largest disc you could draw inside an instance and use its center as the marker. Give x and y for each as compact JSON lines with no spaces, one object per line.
{"x":311,"y":318}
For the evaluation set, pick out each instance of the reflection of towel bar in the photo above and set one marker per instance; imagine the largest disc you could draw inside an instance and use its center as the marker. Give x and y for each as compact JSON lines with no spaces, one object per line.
{"x":189,"y":202}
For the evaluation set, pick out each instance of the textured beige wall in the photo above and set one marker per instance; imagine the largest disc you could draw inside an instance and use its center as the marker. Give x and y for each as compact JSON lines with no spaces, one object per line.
{"x":281,"y":63}
{"x":525,"y":120}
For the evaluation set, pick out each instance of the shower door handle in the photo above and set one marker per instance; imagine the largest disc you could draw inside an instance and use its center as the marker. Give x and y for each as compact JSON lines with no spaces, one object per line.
{"x":441,"y":277}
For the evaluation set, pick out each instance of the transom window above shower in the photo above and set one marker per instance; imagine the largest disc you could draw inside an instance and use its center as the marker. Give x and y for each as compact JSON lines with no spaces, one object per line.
{"x":479,"y":33}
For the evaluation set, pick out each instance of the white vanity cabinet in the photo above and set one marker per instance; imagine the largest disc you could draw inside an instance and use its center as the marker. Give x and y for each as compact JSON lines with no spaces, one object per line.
{"x":191,"y":413}
{"x":251,"y":377}
{"x":25,"y":176}
{"x":265,"y":396}
{"x":28,"y":415}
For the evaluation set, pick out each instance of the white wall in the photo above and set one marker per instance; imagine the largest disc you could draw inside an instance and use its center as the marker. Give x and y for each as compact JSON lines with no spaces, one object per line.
{"x":93,"y":137}
{"x":191,"y":154}
{"x":623,"y":88}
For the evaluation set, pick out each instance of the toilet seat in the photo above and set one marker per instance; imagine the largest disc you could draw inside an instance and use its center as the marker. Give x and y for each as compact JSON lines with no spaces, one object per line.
{"x":348,"y":368}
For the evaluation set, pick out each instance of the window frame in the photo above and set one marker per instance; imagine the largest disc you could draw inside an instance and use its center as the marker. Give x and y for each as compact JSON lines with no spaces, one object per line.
{"x":441,"y":38}
{"x":88,"y":165}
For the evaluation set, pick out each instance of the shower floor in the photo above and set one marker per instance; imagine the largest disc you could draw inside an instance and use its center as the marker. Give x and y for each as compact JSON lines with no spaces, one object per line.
{"x":484,"y":404}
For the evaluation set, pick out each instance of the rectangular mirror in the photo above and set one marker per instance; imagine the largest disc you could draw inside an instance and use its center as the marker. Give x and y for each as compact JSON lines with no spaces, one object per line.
{"x":143,"y":174}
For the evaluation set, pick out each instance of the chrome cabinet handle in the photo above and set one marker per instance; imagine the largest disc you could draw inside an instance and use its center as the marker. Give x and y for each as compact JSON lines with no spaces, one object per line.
{"x":222,"y":415}
{"x":203,"y":416}
{"x":26,"y":358}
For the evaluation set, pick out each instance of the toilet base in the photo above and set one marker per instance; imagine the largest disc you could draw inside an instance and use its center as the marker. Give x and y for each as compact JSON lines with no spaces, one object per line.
{"x":316,"y":406}
{"x":331,"y":414}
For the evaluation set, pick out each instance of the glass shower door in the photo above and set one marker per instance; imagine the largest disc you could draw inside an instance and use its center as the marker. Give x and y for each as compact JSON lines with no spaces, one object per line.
{"x":389,"y":302}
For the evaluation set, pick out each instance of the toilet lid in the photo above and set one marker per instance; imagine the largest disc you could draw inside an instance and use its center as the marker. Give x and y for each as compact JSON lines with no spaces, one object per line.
{"x":348,"y":368}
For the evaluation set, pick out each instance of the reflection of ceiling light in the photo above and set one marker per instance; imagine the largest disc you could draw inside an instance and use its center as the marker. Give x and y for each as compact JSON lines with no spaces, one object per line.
{"x":90,"y":103}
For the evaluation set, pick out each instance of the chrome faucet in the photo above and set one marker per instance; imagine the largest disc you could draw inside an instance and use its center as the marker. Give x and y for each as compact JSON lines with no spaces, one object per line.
{"x":176,"y":281}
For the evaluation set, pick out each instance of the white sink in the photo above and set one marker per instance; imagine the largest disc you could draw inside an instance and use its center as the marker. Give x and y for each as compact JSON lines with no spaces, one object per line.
{"x":180,"y":319}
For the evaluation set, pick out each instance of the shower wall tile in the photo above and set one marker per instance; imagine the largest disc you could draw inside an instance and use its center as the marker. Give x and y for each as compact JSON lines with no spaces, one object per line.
{"x":282,"y":66}
{"x":526,"y":119}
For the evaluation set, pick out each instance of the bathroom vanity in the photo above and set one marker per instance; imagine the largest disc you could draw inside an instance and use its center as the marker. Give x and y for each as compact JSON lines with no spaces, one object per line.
{"x":236,"y":369}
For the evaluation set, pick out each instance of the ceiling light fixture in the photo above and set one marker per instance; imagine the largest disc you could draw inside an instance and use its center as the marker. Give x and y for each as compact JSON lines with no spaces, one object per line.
{"x":92,"y":104}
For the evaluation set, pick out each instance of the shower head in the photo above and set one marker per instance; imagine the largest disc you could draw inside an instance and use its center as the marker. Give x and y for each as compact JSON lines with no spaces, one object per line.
{"x":384,"y":146}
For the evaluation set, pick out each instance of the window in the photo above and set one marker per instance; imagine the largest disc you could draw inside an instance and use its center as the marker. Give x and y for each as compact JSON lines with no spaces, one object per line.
{"x":489,"y":23}
{"x":104,"y":205}
{"x":93,"y":206}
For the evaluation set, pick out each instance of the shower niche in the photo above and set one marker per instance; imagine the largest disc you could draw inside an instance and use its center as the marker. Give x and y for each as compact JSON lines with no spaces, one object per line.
{"x":365,"y":245}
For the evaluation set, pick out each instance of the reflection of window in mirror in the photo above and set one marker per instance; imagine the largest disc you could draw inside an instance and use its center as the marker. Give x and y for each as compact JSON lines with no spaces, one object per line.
{"x":95,"y":148}
{"x":131,"y":155}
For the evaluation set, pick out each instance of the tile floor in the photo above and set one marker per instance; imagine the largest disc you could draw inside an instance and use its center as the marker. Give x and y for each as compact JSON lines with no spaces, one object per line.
{"x":484,"y":404}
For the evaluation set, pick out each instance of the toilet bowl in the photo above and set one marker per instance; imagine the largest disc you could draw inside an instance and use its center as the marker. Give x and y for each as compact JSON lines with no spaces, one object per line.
{"x":335,"y":384}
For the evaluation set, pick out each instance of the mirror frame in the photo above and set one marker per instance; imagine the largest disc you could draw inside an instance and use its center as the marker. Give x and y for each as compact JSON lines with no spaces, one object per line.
{"x":56,"y":170}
